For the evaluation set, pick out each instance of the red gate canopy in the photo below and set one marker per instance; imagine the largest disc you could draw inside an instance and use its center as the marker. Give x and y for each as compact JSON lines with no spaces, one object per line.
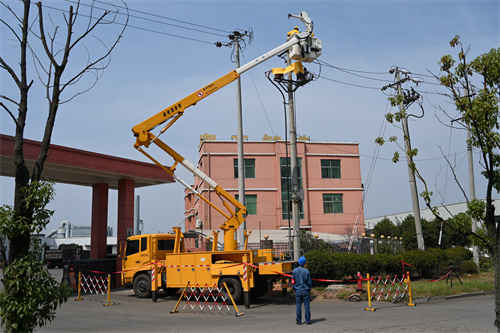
{"x":81,"y":167}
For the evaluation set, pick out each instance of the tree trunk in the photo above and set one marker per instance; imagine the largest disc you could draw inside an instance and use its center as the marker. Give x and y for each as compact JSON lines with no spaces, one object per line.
{"x":496,"y":263}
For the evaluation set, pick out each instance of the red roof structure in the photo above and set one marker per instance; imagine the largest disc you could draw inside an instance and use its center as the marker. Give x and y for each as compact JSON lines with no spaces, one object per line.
{"x":101,"y":172}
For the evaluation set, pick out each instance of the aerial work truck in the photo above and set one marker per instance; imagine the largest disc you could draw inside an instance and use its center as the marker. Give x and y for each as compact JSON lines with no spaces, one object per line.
{"x":242,"y":270}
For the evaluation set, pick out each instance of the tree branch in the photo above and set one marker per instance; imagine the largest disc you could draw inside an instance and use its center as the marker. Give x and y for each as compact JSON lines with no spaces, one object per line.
{"x":9,"y":112}
{"x":452,"y":168}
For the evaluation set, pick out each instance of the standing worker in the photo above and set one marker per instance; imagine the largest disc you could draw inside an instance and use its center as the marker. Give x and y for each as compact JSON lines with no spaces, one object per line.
{"x":302,"y":284}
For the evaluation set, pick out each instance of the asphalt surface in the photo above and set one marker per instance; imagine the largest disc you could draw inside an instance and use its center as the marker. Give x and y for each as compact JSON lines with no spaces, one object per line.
{"x":471,"y":313}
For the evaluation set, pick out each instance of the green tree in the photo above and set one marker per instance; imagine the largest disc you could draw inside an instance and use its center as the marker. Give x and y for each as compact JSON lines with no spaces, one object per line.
{"x":452,"y":236}
{"x":385,"y":232}
{"x":477,"y":102}
{"x":308,"y":242}
{"x":387,"y":228}
{"x":437,"y":234}
{"x":31,"y":295}
{"x":429,"y":231}
{"x":474,"y":88}
{"x":50,"y":50}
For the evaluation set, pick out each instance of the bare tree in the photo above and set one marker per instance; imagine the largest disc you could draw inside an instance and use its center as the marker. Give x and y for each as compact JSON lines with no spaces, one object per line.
{"x":49,"y":46}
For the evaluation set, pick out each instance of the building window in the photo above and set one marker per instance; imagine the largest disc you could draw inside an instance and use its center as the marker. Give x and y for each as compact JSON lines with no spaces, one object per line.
{"x":250,"y":203}
{"x":249,"y":168}
{"x":330,"y":169}
{"x":332,"y":203}
{"x":286,"y":187}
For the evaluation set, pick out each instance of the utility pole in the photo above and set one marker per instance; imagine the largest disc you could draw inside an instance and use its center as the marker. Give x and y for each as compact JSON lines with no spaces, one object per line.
{"x":409,"y":158}
{"x":287,"y":84}
{"x":241,"y":159}
{"x":294,"y":167}
{"x":472,"y":190}
{"x":472,"y":186}
{"x":411,"y":171}
{"x":309,"y":50}
{"x":236,"y":37}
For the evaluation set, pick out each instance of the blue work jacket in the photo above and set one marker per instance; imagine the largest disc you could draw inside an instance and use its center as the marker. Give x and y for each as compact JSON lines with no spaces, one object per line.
{"x":302,"y":278}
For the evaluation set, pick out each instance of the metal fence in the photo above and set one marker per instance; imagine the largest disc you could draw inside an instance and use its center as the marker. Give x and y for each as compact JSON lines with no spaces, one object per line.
{"x":89,"y":267}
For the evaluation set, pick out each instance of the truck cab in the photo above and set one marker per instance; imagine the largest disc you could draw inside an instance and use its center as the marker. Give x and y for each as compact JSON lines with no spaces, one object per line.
{"x":140,"y":252}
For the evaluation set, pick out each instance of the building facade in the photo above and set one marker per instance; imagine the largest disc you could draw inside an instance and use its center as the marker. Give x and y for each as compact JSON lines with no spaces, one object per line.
{"x":329,"y":175}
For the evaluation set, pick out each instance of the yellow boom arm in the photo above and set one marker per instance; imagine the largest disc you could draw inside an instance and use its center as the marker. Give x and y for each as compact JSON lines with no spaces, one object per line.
{"x":144,"y":137}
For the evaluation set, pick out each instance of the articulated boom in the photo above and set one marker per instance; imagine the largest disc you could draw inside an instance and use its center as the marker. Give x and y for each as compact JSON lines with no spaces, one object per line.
{"x":144,"y":137}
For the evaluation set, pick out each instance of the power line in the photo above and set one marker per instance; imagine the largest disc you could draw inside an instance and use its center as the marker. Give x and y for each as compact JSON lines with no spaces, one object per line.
{"x":165,"y":17}
{"x":349,"y":84}
{"x":149,"y":20}
{"x":352,"y":71}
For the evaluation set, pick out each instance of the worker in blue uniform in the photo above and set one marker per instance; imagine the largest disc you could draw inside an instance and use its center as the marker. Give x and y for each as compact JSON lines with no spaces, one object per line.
{"x":302,"y":284}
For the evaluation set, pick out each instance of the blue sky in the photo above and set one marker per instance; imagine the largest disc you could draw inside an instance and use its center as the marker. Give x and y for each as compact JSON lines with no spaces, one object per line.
{"x":149,"y":71}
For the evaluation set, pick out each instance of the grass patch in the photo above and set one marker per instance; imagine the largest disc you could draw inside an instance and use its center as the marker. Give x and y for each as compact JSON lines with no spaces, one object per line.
{"x":483,"y":281}
{"x":472,"y":283}
{"x":319,"y":288}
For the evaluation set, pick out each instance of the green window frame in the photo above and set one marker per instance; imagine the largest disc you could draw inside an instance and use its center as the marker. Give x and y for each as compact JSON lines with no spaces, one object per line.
{"x":330,"y":169}
{"x":286,"y":185}
{"x":249,"y":167}
{"x":250,"y":203}
{"x":333,"y":203}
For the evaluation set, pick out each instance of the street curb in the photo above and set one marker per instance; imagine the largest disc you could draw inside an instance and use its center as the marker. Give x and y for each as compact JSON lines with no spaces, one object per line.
{"x":441,"y":298}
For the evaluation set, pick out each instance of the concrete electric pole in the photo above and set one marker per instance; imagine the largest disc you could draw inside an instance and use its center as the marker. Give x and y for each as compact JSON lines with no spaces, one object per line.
{"x":241,"y":159}
{"x":472,"y":189}
{"x":294,"y":168}
{"x":236,"y":38}
{"x":409,"y":158}
{"x":287,"y":84}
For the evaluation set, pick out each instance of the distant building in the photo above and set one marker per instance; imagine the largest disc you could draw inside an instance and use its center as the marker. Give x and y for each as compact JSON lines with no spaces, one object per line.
{"x":68,"y":234}
{"x":67,"y":230}
{"x":446,"y":213}
{"x":85,"y":231}
{"x":329,"y":176}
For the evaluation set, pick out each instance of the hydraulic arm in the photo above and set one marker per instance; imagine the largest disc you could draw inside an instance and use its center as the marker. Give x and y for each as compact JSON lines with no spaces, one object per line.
{"x":309,"y":48}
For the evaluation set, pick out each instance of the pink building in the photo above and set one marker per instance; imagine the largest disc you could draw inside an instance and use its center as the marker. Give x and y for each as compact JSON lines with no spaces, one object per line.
{"x":329,"y":174}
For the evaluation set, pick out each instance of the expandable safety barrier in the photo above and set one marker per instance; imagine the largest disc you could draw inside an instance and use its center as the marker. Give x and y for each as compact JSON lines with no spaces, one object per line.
{"x":211,"y":297}
{"x":387,"y":288}
{"x":94,"y":284}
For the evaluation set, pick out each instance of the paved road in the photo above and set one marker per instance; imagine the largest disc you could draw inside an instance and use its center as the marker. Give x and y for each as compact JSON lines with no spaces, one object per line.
{"x":130,"y":314}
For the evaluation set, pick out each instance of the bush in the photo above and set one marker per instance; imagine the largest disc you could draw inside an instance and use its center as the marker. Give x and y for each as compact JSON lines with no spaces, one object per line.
{"x":321,"y":264}
{"x":349,"y":264}
{"x":425,"y":262}
{"x":441,"y":255}
{"x":386,"y":264}
{"x":469,"y":267}
{"x":484,"y":264}
{"x":458,"y":254}
{"x":324,"y":264}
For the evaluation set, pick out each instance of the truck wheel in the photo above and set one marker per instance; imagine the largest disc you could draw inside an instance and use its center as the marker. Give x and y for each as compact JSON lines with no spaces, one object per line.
{"x":142,"y":286}
{"x":234,"y":286}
